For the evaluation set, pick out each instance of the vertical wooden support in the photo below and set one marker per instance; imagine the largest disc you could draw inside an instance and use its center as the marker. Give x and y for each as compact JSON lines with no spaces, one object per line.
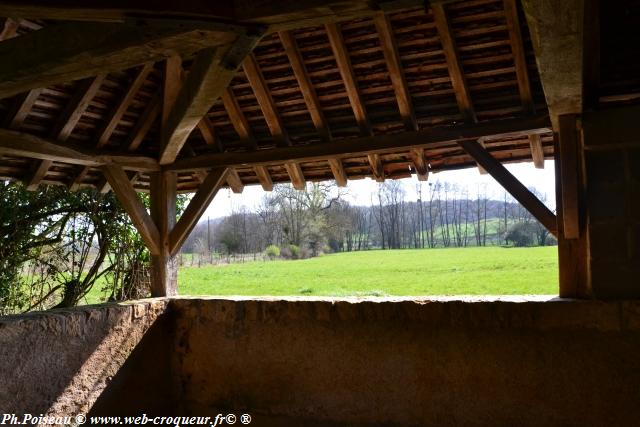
{"x":573,"y":261}
{"x":164,"y":271}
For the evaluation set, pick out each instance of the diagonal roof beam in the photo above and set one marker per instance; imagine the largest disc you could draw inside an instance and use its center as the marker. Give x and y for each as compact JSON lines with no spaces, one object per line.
{"x":519,"y":58}
{"x":458,"y":80}
{"x":9,"y":28}
{"x":67,"y":122}
{"x":398,"y":81}
{"x":512,"y":185}
{"x":209,"y":76}
{"x":306,"y":86}
{"x":421,"y":163}
{"x":117,"y":113}
{"x":70,"y":51}
{"x":272,"y":117}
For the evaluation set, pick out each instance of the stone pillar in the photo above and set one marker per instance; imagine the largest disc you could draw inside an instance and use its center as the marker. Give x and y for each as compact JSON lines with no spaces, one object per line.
{"x":612,"y":169}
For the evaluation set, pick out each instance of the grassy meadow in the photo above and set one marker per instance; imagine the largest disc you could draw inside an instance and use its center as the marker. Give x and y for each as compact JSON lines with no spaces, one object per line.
{"x":408,"y":272}
{"x":454,"y":271}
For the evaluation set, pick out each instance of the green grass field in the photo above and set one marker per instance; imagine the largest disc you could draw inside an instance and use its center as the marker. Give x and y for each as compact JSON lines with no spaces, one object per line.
{"x":465,"y":271}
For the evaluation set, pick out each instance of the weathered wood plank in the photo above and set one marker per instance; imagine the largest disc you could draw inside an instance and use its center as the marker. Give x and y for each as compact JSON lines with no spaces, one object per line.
{"x":519,"y":57}
{"x":162,"y":194}
{"x":537,"y":153}
{"x":263,"y":176}
{"x":458,"y":80}
{"x":13,"y":143}
{"x":119,"y":182}
{"x":428,"y":138}
{"x":237,"y":118}
{"x":196,"y":207}
{"x":209,"y":76}
{"x":343,"y":60}
{"x":114,"y":117}
{"x":306,"y":86}
{"x":420,"y":163}
{"x":338,"y":171}
{"x":568,"y":145}
{"x":398,"y":81}
{"x":512,"y":185}
{"x":296,"y":176}
{"x":234,"y":181}
{"x":377,"y":168}
{"x":70,"y":51}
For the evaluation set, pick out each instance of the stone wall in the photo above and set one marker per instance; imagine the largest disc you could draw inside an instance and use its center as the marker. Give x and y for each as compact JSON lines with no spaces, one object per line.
{"x":332,"y":363}
{"x":60,"y":362}
{"x":612,"y":162}
{"x":411,"y":362}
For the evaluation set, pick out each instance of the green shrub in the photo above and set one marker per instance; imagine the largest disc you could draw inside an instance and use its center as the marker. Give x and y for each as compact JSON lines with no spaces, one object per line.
{"x":295,"y":251}
{"x":272,"y":251}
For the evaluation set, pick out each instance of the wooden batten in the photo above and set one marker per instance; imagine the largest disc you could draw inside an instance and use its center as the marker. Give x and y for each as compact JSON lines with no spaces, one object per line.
{"x":537,"y":153}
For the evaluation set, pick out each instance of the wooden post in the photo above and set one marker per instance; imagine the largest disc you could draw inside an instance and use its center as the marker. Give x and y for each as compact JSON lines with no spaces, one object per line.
{"x":164,"y":272}
{"x":572,"y":252}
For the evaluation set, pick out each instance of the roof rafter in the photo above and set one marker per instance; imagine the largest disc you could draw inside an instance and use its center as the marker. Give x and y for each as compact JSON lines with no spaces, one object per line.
{"x":458,"y":80}
{"x":306,"y":86}
{"x":209,"y":76}
{"x":398,"y":81}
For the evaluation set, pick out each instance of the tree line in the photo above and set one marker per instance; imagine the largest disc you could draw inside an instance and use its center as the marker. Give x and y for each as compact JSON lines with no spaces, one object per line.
{"x":320,"y":219}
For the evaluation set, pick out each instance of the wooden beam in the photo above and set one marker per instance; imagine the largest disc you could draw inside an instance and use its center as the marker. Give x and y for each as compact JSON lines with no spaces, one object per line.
{"x":162,"y":194}
{"x":519,"y":57}
{"x":458,"y":80}
{"x":557,"y":34}
{"x":122,"y":107}
{"x":263,"y":95}
{"x":77,"y":180}
{"x":196,"y":207}
{"x":263,"y":176}
{"x":306,"y":85}
{"x":71,"y":51}
{"x":338,"y":171}
{"x":481,"y":170}
{"x":40,"y":170}
{"x":171,"y":83}
{"x":537,"y":153}
{"x":16,"y":118}
{"x":13,"y":143}
{"x":237,"y":118}
{"x":568,"y":144}
{"x":209,"y":76}
{"x":348,"y":77}
{"x":377,"y":168}
{"x":420,"y":163}
{"x":512,"y":185}
{"x":428,"y":138}
{"x":396,"y":72}
{"x":234,"y":181}
{"x":296,"y":176}
{"x":9,"y":28}
{"x":146,"y":120}
{"x":119,"y":182}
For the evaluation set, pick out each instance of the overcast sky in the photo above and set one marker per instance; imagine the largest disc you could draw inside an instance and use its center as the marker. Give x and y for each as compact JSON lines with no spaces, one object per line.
{"x":359,"y":191}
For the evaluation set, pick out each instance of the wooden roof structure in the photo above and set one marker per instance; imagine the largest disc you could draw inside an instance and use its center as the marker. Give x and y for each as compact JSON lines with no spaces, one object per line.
{"x":191,"y":96}
{"x":381,"y":92}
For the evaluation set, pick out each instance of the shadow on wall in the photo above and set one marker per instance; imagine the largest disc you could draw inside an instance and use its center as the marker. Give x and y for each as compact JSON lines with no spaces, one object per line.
{"x":60,"y":362}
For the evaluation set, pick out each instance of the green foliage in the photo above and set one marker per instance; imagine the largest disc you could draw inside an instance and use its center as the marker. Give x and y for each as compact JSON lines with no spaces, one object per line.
{"x":521,"y":234}
{"x":272,"y":251}
{"x":294,"y":251}
{"x":414,"y":272}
